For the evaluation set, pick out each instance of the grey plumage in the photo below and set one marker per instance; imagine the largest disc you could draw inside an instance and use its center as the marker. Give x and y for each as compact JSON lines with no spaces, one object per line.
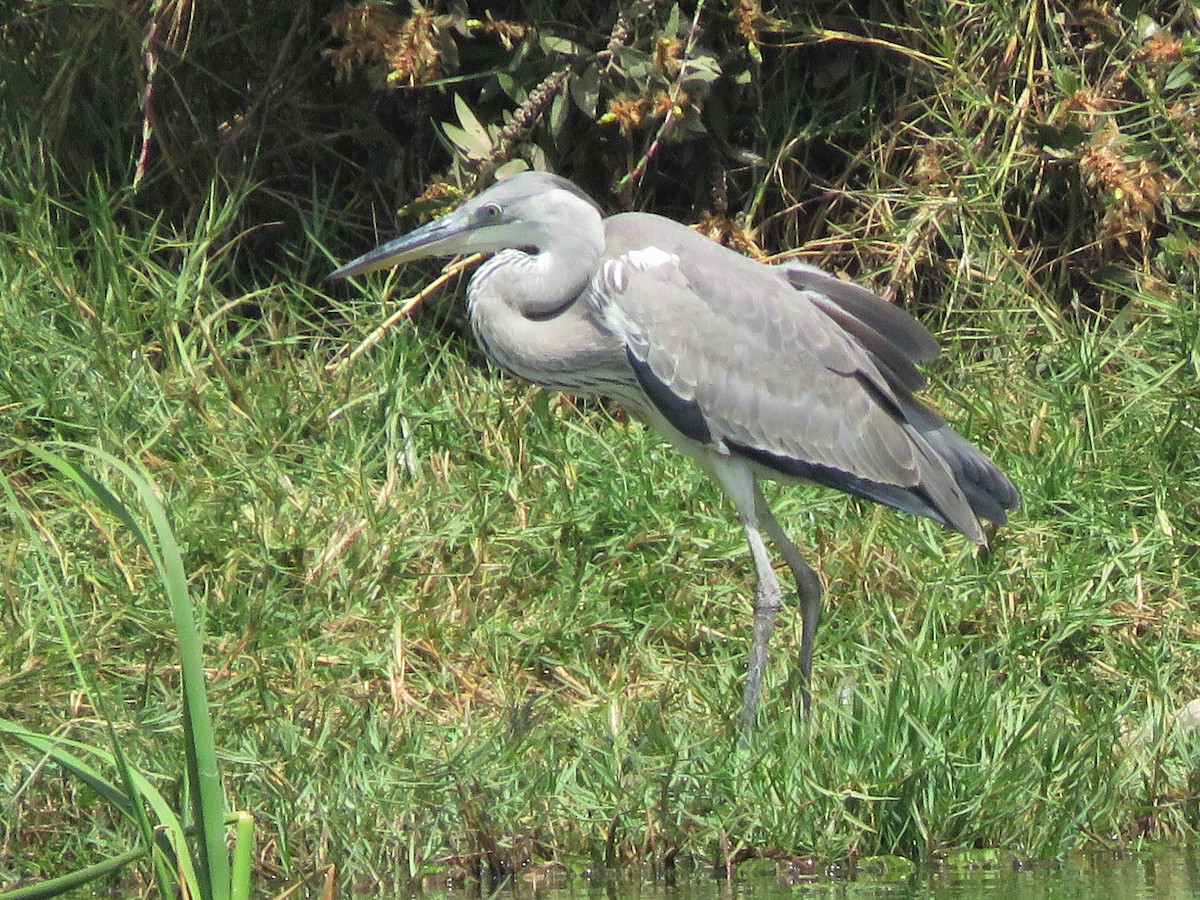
{"x":782,"y":372}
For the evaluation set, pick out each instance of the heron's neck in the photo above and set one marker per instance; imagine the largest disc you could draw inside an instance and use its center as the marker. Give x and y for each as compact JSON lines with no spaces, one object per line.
{"x":538,"y":285}
{"x":527,"y":314}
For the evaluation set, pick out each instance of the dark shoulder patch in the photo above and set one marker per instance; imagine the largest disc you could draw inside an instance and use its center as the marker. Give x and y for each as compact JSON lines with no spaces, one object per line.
{"x":684,"y":415}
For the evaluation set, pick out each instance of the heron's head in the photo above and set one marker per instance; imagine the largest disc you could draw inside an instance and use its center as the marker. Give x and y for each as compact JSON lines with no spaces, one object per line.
{"x":530,"y":211}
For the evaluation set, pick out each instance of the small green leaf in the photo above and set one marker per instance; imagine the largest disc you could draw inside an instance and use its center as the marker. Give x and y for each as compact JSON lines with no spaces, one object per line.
{"x":636,"y":64}
{"x":510,"y":168}
{"x":702,"y":69}
{"x":511,"y":87}
{"x":1181,"y":76}
{"x":1056,"y":137}
{"x":558,"y":115}
{"x":462,"y":142}
{"x":477,"y":135}
{"x":552,"y":44}
{"x":585,"y":90}
{"x":672,"y":27}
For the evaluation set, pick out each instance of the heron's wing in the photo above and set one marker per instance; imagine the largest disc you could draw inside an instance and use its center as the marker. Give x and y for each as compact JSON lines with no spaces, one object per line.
{"x":734,"y":356}
{"x":895,"y":339}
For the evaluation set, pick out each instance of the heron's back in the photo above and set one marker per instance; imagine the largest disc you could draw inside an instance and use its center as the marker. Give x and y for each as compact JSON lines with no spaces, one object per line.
{"x":799,"y":373}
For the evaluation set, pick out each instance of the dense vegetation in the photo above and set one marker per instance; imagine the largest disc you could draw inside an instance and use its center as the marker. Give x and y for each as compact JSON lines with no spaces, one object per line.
{"x":456,"y":626}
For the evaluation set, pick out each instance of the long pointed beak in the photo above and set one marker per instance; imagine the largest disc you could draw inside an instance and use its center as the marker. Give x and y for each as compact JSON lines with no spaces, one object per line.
{"x":436,"y":238}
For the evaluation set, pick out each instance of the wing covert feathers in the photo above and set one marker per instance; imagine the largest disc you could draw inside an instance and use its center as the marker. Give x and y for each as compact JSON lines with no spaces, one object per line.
{"x":803,"y":374}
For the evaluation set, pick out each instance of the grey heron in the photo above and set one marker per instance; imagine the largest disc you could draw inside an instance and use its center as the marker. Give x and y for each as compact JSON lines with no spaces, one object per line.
{"x":754,"y":371}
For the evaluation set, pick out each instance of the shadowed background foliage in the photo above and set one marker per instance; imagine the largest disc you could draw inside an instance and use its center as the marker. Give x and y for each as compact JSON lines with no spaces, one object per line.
{"x":776,"y":128}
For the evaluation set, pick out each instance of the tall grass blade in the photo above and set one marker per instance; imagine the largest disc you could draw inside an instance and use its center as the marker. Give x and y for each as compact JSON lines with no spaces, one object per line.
{"x":169,"y":825}
{"x":69,"y":633}
{"x":57,"y":887}
{"x":208,"y":804}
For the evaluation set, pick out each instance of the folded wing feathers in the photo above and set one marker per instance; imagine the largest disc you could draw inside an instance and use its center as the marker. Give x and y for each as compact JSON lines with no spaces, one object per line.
{"x":903,"y":332}
{"x":794,"y":364}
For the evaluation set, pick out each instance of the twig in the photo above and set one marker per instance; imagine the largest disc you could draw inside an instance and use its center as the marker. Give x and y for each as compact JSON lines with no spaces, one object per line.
{"x":622,"y":31}
{"x":150,"y":53}
{"x":527,"y":114}
{"x":535,"y":105}
{"x":339,"y":365}
{"x":668,"y":122}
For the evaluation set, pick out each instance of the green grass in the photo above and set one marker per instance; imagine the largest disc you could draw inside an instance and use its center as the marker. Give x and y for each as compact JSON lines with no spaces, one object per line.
{"x":462,"y":623}
{"x":454,"y":625}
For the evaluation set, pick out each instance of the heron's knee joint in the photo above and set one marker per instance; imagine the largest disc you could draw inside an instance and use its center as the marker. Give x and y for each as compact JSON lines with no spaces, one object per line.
{"x":767,"y":602}
{"x":810,"y":587}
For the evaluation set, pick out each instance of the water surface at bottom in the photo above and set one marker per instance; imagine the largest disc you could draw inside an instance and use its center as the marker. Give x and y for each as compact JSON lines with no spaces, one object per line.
{"x":1164,"y":874}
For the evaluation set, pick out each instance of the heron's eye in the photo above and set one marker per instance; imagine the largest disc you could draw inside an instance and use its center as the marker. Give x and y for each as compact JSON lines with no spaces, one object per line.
{"x":490,"y":212}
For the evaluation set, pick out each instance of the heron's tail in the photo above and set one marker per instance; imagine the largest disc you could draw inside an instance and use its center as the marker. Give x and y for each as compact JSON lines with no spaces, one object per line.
{"x":987,"y":489}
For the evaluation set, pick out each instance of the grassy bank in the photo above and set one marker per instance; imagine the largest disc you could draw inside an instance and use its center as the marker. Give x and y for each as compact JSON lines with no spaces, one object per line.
{"x":452,"y":620}
{"x":456,"y":625}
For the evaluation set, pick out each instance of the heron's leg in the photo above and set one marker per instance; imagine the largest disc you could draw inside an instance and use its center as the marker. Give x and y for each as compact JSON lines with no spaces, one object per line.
{"x":808,"y":586}
{"x":767,"y":596}
{"x":737,"y":479}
